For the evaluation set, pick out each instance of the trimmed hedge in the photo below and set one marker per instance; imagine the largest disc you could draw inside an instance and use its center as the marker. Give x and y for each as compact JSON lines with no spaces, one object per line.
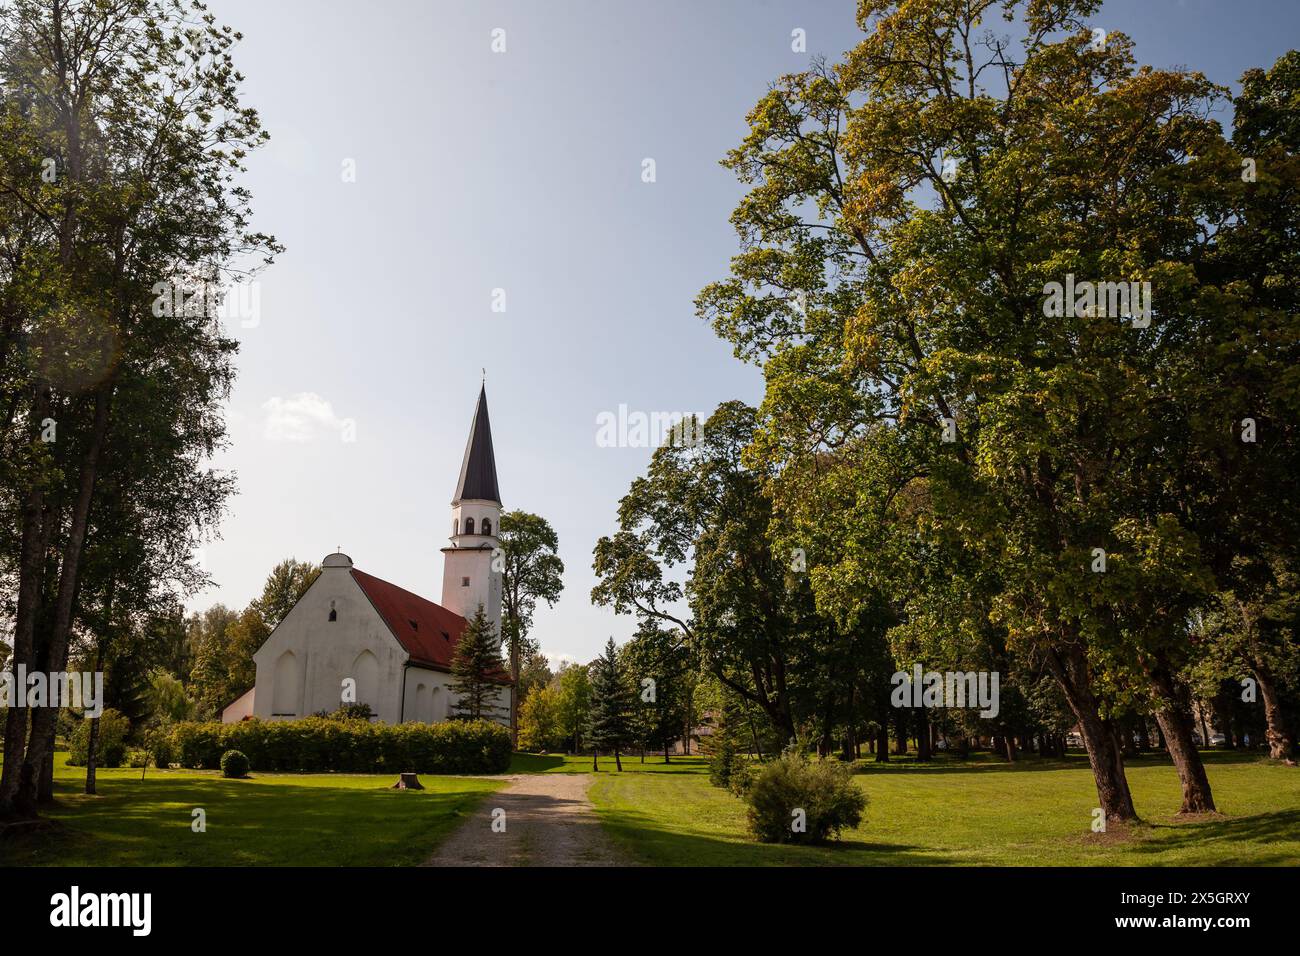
{"x":349,"y":746}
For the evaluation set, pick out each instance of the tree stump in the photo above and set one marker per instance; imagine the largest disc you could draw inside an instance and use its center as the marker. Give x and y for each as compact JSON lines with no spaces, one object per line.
{"x":407,"y":781}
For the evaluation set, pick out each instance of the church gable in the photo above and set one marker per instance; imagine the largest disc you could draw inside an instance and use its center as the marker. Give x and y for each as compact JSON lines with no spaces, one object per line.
{"x":333,"y":634}
{"x":333,"y":599}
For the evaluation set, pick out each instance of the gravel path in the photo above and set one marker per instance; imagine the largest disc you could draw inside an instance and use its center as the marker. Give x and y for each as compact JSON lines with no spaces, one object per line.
{"x":548,"y":822}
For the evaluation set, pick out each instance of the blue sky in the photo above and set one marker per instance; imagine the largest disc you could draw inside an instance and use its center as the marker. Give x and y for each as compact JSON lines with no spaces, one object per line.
{"x":519,"y":171}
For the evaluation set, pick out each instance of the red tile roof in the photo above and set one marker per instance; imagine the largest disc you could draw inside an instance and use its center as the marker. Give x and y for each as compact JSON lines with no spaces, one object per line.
{"x":429,"y":632}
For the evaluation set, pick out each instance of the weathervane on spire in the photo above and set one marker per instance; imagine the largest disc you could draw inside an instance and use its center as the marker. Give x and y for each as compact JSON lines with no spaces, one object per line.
{"x":484,"y":380}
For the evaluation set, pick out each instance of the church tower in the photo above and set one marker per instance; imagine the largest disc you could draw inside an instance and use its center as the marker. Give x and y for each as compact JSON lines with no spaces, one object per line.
{"x":468,"y":576}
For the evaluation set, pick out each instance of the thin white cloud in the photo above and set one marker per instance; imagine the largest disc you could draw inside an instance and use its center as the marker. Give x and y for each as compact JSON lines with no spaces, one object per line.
{"x":299,"y":418}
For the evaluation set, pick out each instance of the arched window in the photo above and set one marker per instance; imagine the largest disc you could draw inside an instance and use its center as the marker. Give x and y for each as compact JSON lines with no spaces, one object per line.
{"x":487,"y":526}
{"x":286,"y":686}
{"x":365,"y":669}
{"x":469,"y":525}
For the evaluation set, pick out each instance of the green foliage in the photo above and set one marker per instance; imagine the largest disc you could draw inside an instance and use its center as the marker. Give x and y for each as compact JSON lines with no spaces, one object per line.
{"x":658,"y":664}
{"x":540,"y":729}
{"x":287,"y":582}
{"x":822,"y":789}
{"x":110,"y":743}
{"x":531,"y":571}
{"x":168,"y":700}
{"x":159,"y":747}
{"x":608,"y":723}
{"x":234,"y":764}
{"x":477,"y":670}
{"x":146,"y":134}
{"x":351,"y":746}
{"x":534,"y":673}
{"x":357,"y":711}
{"x":729,"y":768}
{"x":573,"y":702}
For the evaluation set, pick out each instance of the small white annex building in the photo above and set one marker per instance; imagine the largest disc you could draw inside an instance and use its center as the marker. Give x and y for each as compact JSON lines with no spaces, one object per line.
{"x":393,"y":644}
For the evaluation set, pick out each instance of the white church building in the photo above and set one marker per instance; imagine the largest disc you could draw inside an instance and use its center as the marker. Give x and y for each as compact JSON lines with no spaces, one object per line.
{"x":393,"y":644}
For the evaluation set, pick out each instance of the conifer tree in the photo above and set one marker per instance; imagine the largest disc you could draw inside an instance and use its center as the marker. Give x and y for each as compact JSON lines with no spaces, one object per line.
{"x":476,"y":669}
{"x":609,"y":723}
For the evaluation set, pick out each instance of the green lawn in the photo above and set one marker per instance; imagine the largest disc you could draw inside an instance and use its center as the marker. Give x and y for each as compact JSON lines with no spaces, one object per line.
{"x":983,"y":812}
{"x":268,"y":819}
{"x":569,"y":763}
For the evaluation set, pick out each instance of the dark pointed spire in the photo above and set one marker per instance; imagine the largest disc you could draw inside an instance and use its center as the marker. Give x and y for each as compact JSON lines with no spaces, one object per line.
{"x":478,"y":472}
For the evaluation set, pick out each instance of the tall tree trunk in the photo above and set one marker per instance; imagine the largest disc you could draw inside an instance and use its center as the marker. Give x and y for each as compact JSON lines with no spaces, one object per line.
{"x":42,"y":724}
{"x":31,"y":571}
{"x":1280,"y":741}
{"x":1176,"y":723}
{"x":1143,"y":733}
{"x":882,"y":743}
{"x":1197,"y":797}
{"x":922,"y":734}
{"x":1069,"y":667}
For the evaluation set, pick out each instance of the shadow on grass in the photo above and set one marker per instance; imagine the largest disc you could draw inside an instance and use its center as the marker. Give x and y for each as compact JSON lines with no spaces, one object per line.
{"x":1254,"y":834}
{"x":534,"y":763}
{"x":991,"y":763}
{"x":646,"y":839}
{"x":245,"y":823}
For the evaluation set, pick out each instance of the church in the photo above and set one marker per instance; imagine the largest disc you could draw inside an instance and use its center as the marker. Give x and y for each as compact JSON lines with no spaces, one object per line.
{"x":394,"y":645}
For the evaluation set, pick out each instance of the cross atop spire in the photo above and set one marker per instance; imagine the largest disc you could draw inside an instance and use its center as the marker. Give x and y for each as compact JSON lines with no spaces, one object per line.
{"x":478,"y":472}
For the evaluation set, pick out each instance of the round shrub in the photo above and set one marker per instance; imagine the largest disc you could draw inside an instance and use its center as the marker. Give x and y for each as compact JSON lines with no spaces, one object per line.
{"x":234,"y":764}
{"x":822,"y":789}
